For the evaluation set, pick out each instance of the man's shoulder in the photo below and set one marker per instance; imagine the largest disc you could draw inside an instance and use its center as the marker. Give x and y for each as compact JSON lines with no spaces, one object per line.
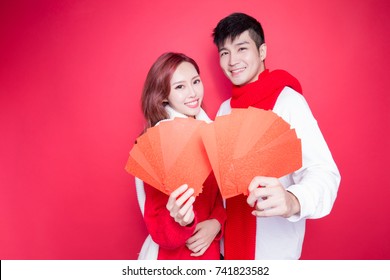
{"x":289,"y":96}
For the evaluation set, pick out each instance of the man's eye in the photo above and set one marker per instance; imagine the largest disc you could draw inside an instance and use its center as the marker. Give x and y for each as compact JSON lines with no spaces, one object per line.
{"x":221,"y":54}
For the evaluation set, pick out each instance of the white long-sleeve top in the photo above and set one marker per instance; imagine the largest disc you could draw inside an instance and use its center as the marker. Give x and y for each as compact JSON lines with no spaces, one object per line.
{"x":149,"y":249}
{"x":315,"y":184}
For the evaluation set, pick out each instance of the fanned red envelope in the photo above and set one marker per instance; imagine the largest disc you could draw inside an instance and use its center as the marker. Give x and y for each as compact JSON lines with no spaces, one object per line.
{"x":171,"y":154}
{"x":247,"y":143}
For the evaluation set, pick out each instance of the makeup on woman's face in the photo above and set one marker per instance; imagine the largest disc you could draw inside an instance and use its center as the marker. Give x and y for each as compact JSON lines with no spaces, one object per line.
{"x":186,"y":93}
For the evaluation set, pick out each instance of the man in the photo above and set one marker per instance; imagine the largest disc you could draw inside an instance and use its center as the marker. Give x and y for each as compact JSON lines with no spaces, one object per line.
{"x":270,"y":222}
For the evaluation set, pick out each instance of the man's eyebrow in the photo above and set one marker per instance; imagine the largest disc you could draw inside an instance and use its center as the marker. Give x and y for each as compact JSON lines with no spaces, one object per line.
{"x":242,"y":43}
{"x":236,"y":45}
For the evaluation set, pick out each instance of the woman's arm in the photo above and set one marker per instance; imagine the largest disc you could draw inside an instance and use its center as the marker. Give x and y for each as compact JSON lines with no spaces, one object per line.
{"x":212,"y":228}
{"x":162,"y":227}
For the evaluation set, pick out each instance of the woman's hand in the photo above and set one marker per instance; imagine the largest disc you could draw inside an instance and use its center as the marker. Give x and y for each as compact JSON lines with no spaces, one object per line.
{"x":205,"y":233}
{"x":180,"y":205}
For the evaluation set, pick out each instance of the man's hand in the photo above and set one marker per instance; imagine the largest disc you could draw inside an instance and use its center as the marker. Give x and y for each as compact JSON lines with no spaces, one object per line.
{"x":271,"y":199}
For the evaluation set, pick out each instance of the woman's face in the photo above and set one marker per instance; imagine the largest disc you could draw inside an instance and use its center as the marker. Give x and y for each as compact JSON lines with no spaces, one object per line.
{"x":186,"y":93}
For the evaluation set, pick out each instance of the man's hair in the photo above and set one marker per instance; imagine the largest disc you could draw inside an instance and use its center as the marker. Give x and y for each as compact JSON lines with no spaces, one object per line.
{"x":234,"y":25}
{"x":157,"y":85}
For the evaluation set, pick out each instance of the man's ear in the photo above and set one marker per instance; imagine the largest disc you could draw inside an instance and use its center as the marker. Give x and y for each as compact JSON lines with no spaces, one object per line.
{"x":263,"y":51}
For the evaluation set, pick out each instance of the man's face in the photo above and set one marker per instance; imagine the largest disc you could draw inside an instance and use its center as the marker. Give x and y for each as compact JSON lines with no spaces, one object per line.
{"x":241,"y":60}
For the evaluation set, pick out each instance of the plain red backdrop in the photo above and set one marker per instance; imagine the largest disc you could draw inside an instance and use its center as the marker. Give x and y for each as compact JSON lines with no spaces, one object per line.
{"x":71,"y":74}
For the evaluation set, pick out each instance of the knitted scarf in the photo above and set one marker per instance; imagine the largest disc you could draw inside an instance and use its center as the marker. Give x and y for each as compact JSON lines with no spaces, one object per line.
{"x":240,"y":229}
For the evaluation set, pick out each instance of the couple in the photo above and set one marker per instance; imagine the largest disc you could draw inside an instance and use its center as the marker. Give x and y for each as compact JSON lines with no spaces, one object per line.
{"x":270,"y":222}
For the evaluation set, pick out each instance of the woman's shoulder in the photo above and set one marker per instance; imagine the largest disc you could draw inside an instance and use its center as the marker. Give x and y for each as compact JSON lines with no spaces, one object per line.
{"x":225,"y":108}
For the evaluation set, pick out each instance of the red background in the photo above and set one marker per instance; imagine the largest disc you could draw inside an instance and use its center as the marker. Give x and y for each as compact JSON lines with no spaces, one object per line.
{"x":71,"y":74}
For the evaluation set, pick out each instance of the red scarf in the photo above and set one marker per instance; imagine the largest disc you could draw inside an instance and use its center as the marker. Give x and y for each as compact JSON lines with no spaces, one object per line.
{"x":240,"y":229}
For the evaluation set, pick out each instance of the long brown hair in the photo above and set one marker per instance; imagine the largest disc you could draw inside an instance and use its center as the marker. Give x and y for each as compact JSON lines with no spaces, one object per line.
{"x":157,"y":86}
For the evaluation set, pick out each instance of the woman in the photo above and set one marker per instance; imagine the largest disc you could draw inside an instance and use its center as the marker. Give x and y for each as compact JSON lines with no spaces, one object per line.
{"x":180,"y":225}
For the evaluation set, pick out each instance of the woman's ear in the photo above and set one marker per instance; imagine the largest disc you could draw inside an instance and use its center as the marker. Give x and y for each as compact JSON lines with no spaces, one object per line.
{"x":263,"y":51}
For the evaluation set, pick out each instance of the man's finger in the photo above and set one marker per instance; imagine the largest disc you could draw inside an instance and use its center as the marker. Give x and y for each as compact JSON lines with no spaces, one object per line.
{"x":261,"y":181}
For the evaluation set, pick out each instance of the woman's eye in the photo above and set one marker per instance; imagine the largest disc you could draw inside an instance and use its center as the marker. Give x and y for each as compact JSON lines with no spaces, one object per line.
{"x":197,"y":81}
{"x":179,"y":87}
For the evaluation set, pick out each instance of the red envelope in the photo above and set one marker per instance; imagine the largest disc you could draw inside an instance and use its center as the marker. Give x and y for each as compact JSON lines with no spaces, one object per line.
{"x":171,"y":154}
{"x":247,"y":143}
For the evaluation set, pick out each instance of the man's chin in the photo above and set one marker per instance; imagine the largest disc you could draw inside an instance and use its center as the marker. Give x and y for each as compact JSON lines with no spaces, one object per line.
{"x":238,"y":82}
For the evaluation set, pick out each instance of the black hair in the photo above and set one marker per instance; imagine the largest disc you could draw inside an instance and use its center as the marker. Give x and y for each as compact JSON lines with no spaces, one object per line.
{"x":234,"y":25}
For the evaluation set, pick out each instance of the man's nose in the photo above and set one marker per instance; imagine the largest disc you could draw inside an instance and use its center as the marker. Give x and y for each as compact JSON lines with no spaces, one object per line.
{"x":233,"y":59}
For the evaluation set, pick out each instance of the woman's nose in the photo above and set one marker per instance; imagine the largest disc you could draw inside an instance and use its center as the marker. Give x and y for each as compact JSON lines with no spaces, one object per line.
{"x":192,"y":92}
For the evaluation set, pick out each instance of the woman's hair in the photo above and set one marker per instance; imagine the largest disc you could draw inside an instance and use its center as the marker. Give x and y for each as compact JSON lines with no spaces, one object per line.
{"x":157,"y":86}
{"x":234,"y":25}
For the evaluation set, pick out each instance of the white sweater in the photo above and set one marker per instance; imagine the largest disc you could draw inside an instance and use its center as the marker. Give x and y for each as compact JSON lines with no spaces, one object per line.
{"x":315,"y":184}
